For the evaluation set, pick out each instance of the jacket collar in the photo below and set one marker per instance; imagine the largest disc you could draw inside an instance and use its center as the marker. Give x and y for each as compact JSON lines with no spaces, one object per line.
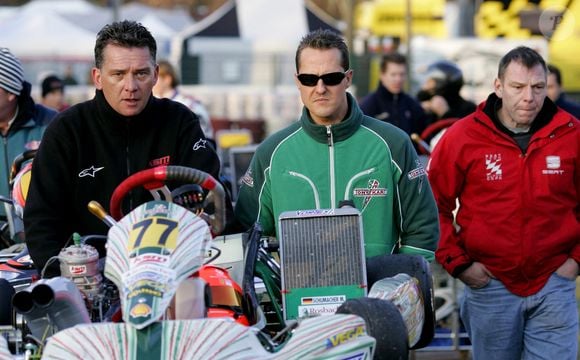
{"x":25,"y":115}
{"x":493,"y":103}
{"x":341,"y":131}
{"x":384,"y":93}
{"x":112,"y":118}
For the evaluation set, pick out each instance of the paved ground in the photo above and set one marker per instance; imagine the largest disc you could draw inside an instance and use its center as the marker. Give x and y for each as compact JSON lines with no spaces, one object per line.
{"x":440,"y":355}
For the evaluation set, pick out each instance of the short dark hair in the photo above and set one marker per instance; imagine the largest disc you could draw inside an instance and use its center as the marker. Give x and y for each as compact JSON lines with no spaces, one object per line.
{"x":552,"y":69}
{"x":165,"y":68}
{"x":524,"y":55}
{"x":51,"y":83}
{"x":127,"y":34}
{"x":324,"y":40}
{"x":394,"y":58}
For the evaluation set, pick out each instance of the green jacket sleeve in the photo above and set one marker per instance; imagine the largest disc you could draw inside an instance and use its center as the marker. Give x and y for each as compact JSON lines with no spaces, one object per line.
{"x":254,"y":203}
{"x":418,"y":217}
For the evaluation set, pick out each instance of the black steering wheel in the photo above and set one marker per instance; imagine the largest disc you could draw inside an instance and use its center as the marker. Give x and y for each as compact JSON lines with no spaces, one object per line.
{"x":155,"y":178}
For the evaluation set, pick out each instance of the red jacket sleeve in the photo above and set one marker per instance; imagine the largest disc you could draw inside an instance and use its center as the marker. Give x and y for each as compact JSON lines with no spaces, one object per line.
{"x":446,"y":178}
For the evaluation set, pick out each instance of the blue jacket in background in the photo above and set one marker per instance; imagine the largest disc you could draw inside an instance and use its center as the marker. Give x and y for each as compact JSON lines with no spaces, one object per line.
{"x":24,"y":134}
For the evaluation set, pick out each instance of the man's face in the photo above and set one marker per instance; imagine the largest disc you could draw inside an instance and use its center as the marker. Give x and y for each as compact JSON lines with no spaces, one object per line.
{"x":54,"y":99}
{"x":126,"y":78}
{"x":327,"y":103}
{"x":394,"y":77}
{"x":554,"y":89}
{"x":522,"y":91}
{"x":7,"y":104}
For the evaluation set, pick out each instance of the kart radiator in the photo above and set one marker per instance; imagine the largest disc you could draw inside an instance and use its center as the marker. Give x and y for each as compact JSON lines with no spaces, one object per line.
{"x":322,"y":260}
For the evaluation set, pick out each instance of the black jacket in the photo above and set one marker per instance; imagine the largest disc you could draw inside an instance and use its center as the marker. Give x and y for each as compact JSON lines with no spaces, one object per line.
{"x":569,"y":106}
{"x":88,"y":150}
{"x":400,"y":110}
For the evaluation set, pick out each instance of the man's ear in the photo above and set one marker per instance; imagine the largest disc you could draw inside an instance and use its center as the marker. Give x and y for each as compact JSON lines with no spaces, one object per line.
{"x":296,"y":81}
{"x":349,"y":77}
{"x":498,"y":87}
{"x":96,"y":75}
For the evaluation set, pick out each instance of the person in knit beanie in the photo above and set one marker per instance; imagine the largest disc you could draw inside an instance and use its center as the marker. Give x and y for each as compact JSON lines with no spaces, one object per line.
{"x":22,"y":124}
{"x":11,"y":74}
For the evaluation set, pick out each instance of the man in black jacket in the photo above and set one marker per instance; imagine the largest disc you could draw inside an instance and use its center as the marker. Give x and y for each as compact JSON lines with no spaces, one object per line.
{"x":389,"y":102}
{"x":93,"y":146}
{"x":556,"y":93}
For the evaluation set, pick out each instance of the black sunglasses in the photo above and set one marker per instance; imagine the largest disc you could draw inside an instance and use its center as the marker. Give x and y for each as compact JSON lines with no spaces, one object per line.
{"x":329,"y":79}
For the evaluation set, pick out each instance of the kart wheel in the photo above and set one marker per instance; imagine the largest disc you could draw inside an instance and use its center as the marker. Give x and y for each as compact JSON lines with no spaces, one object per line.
{"x":383,"y":266}
{"x":6,"y":302}
{"x":384,"y":323}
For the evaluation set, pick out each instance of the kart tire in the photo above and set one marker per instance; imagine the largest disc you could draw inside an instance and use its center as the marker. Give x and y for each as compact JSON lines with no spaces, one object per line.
{"x":383,"y":266}
{"x":7,"y":292}
{"x":384,"y":322}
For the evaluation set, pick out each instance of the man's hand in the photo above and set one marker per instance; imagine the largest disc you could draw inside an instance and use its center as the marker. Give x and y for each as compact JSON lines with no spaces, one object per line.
{"x":569,"y":269}
{"x":476,"y":276}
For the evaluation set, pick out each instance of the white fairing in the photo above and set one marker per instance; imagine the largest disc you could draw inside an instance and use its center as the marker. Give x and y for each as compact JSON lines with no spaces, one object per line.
{"x":324,"y":337}
{"x":149,"y":252}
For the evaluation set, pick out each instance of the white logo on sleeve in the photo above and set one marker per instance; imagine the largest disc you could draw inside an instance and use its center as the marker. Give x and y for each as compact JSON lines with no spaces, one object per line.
{"x":90,"y":171}
{"x":199,"y":144}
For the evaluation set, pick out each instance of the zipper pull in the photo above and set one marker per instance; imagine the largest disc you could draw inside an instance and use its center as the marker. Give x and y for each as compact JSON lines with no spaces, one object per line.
{"x":328,"y":135}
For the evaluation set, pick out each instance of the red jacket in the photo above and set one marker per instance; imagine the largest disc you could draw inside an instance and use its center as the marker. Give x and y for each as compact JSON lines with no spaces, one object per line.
{"x":519,"y":213}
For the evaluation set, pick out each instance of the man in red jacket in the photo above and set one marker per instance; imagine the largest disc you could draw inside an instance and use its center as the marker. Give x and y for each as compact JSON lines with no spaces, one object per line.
{"x":514,"y":166}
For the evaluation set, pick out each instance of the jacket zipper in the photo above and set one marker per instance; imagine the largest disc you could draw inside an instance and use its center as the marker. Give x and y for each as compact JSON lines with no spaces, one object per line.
{"x":330,"y":142}
{"x":128,"y":161}
{"x":6,"y":164}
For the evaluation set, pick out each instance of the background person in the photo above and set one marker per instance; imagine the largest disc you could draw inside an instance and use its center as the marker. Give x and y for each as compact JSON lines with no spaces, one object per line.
{"x":68,"y":77}
{"x":440,"y":92}
{"x":514,"y":165}
{"x":93,"y":146}
{"x":389,"y":102}
{"x":556,"y":93}
{"x":334,"y":153}
{"x":52,"y":93}
{"x":22,"y":122}
{"x":167,"y":87}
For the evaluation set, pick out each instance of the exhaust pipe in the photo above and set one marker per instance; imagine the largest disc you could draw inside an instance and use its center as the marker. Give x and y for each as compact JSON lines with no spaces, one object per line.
{"x":7,"y":291}
{"x":55,"y":301}
{"x":36,"y":319}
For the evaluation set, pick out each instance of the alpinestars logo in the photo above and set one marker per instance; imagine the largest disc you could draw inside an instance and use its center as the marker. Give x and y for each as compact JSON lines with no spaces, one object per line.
{"x":90,"y":171}
{"x":373,"y":190}
{"x":493,"y":169}
{"x":200,"y":144}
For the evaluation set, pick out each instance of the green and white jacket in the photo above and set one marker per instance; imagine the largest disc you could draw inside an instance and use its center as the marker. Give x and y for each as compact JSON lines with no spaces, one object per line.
{"x":308,"y":166}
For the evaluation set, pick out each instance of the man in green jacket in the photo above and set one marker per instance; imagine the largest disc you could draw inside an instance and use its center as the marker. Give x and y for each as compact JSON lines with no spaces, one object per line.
{"x":335,"y":153}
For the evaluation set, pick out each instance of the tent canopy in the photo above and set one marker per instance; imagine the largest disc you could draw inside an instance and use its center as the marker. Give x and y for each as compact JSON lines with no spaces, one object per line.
{"x":46,"y":35}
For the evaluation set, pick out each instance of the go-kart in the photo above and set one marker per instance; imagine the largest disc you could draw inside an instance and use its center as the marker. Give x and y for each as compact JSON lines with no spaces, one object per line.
{"x":173,"y":304}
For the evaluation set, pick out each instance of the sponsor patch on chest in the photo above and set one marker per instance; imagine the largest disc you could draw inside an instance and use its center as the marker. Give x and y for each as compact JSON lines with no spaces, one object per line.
{"x":493,"y":170}
{"x":372,"y":190}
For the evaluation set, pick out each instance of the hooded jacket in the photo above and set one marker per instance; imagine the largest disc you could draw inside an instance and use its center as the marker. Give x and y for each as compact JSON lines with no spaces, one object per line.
{"x":519,"y":210}
{"x":88,"y":150}
{"x":308,"y":166}
{"x":24,"y":134}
